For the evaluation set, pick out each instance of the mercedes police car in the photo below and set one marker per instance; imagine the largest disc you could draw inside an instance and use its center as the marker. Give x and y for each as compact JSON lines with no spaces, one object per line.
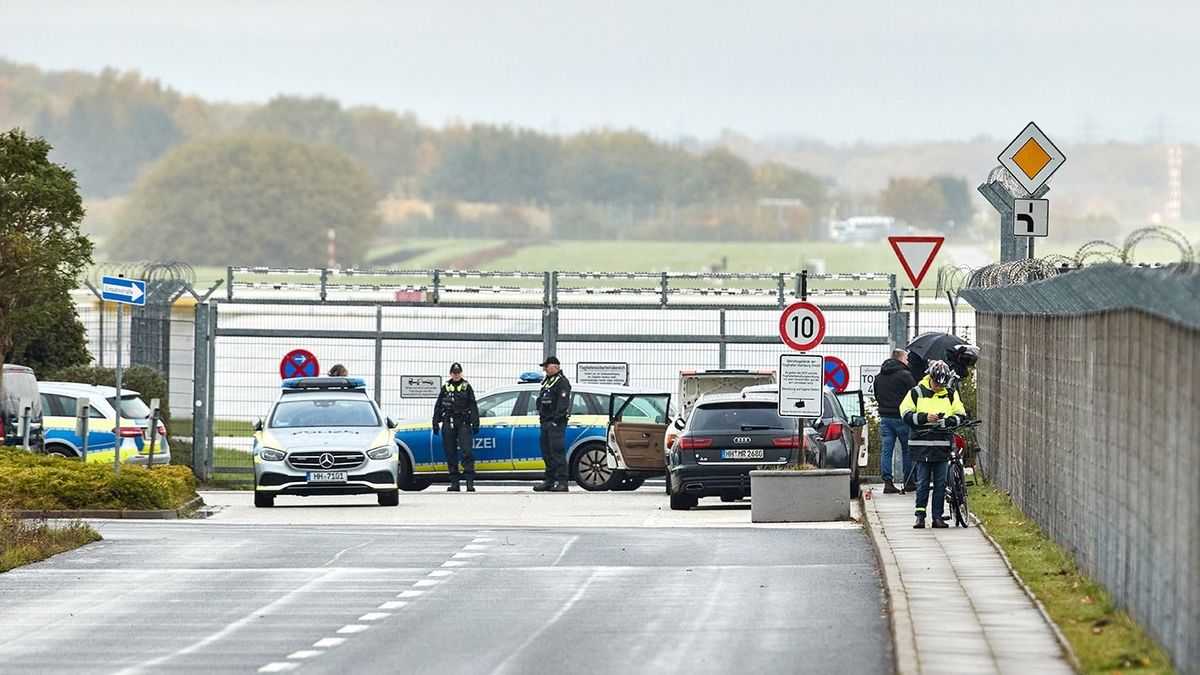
{"x":507,"y":446}
{"x":324,"y":436}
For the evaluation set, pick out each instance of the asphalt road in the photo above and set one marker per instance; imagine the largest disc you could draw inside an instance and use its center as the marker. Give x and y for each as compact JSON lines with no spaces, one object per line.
{"x":202,"y":596}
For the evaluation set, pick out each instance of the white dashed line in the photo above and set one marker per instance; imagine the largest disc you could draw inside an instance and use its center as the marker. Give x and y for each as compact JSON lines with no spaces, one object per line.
{"x":440,"y":573}
{"x":427,"y":582}
{"x":475,"y":547}
{"x":409,"y":594}
{"x":352,"y":628}
{"x":393,"y":604}
{"x":305,"y":654}
{"x":453,"y":563}
{"x":278,"y":667}
{"x":328,"y":642}
{"x":480,"y":540}
{"x":373,"y":616}
{"x":466,"y":555}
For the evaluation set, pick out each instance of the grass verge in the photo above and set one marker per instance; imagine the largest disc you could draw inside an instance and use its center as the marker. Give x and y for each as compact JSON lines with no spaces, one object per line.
{"x":23,"y":542}
{"x":1104,"y":638}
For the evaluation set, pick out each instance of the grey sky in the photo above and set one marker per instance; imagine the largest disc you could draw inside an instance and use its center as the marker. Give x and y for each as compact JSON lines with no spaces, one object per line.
{"x":838,"y":71}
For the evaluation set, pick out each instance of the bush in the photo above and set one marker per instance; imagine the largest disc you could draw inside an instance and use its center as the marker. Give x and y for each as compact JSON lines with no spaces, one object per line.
{"x":36,"y":482}
{"x":143,"y":379}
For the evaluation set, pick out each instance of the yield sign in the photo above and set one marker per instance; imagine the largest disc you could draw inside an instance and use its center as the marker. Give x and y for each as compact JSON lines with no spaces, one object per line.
{"x":916,"y":255}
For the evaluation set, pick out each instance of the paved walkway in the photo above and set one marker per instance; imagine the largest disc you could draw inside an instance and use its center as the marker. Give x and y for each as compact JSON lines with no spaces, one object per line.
{"x":955,"y":606}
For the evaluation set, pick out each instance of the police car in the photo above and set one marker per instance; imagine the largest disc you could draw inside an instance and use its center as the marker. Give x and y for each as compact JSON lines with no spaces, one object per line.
{"x":507,"y":445}
{"x":324,"y":436}
{"x":58,"y":424}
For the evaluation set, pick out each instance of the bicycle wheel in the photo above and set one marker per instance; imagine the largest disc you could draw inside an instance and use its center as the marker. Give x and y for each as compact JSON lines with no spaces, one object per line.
{"x":958,"y":490}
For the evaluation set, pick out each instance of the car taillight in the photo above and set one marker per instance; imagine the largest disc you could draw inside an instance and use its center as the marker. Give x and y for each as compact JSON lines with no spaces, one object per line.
{"x":834,"y":431}
{"x":693,"y":443}
{"x":785,"y":442}
{"x":129,"y":432}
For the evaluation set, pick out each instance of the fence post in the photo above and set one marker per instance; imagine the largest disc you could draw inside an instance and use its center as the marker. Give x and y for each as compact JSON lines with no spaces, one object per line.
{"x":782,"y":289}
{"x":550,"y":314}
{"x":437,"y":286}
{"x":721,"y":360}
{"x":802,"y":285}
{"x":210,"y":413}
{"x":379,"y":355}
{"x":200,"y":393}
{"x":898,"y":329}
{"x":229,"y":282}
{"x":663,"y":290}
{"x":324,"y":283}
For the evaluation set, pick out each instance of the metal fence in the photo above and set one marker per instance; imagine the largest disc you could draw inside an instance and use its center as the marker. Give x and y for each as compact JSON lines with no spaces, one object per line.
{"x":387,"y":324}
{"x":1090,"y":392}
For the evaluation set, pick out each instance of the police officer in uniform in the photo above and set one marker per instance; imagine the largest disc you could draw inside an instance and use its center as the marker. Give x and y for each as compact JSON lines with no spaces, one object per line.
{"x":458,"y":414}
{"x":554,"y":407}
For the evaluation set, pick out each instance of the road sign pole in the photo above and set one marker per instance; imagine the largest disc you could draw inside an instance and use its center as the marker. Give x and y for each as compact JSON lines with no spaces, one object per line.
{"x":117,"y":428}
{"x":916,"y":312}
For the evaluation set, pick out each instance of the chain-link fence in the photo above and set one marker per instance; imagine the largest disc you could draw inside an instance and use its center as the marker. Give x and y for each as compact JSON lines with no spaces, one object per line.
{"x":1089,"y":386}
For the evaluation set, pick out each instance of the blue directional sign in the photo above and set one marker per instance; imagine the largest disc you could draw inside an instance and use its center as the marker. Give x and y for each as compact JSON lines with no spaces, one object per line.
{"x":124,"y":291}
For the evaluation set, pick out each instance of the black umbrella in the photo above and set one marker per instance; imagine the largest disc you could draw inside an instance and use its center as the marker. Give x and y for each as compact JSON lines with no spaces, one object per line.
{"x":928,"y":347}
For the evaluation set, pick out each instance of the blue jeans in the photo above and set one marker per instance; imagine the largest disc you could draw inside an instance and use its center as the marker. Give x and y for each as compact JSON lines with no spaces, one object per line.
{"x":893,"y":429}
{"x":938,"y":471}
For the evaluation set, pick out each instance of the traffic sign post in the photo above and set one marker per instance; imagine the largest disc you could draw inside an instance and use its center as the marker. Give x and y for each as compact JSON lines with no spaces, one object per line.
{"x":299,"y":363}
{"x":916,"y":256}
{"x":836,"y":374}
{"x":122,"y":291}
{"x":802,"y":326}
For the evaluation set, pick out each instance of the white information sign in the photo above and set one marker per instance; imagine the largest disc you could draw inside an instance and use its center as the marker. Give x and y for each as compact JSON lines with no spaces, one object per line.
{"x":1031,"y":217}
{"x":602,"y":373}
{"x":420,"y":386}
{"x":866,"y":379}
{"x":801,"y":377}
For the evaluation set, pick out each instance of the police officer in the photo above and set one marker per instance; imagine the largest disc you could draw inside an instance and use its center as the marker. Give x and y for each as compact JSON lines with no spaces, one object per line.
{"x":457,"y":411}
{"x":554,"y":407}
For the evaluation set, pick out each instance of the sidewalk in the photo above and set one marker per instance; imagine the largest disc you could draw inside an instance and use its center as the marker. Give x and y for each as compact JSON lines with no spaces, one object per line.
{"x":955,"y":607}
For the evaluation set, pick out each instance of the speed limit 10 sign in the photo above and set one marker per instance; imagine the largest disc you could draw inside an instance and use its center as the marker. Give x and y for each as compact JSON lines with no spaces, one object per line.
{"x":802,"y":326}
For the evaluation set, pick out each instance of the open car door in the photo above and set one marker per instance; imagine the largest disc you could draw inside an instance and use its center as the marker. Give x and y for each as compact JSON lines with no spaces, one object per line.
{"x":637,"y":426}
{"x":852,"y":405}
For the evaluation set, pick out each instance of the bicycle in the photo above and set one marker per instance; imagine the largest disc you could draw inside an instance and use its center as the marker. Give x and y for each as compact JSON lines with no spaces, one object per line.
{"x":956,"y":483}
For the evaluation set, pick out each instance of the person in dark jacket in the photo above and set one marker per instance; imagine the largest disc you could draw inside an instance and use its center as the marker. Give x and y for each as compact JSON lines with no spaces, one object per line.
{"x":892,"y":384}
{"x":933,"y":410}
{"x":457,"y":412}
{"x":554,"y":407}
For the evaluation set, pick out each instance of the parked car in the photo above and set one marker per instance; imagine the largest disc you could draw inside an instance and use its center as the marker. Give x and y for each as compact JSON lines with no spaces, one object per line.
{"x":838,"y":442}
{"x":59,"y":400}
{"x":19,"y":390}
{"x":507,"y":447}
{"x":725,"y":438}
{"x":325,"y":436}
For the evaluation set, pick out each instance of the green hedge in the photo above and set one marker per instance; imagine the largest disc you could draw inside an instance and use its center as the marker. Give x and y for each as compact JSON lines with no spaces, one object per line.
{"x":143,"y":379}
{"x":29,"y":481}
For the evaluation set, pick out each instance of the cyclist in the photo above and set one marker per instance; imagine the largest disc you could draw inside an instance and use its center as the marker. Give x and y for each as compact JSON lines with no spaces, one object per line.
{"x":932,"y":409}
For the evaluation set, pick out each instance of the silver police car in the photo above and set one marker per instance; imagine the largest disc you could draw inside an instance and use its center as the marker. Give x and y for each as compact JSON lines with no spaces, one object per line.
{"x":325,"y":436}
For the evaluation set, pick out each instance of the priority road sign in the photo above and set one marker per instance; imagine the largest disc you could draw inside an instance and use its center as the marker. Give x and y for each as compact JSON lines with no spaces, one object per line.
{"x":299,"y":363}
{"x":123,"y":291}
{"x":1032,"y":158}
{"x":1031,"y":217}
{"x":837,"y":374}
{"x":802,"y":326}
{"x":800,"y":378}
{"x":916,"y":255}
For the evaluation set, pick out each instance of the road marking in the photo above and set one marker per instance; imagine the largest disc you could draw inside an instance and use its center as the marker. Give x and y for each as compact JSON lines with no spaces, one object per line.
{"x":441,"y":573}
{"x":475,"y":547}
{"x":373,"y":616}
{"x":393,"y":604}
{"x":453,"y":563}
{"x":305,"y":654}
{"x":278,"y":667}
{"x":566,"y":547}
{"x":554,"y":619}
{"x":466,"y":555}
{"x":352,"y":628}
{"x":345,"y":551}
{"x":329,"y":642}
{"x":427,"y":582}
{"x":480,"y":540}
{"x":409,"y":594}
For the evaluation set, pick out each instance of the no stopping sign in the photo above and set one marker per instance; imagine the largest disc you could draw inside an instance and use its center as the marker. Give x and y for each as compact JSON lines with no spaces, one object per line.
{"x":802,"y":326}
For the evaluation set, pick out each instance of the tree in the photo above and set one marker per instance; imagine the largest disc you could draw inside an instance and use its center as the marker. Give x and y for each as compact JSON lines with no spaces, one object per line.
{"x":959,"y":211}
{"x":915,"y":201}
{"x":42,"y":253}
{"x":249,"y":200}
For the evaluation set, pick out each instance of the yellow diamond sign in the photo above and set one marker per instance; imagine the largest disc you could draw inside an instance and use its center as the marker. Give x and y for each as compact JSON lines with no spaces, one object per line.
{"x":1031,"y":158}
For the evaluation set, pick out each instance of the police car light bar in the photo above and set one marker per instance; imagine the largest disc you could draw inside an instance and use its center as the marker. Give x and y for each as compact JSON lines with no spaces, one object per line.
{"x":530,"y":376}
{"x":319,"y":383}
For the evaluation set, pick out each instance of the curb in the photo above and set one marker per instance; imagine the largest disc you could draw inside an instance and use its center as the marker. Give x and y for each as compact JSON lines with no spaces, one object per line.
{"x":904,"y":637}
{"x":116,"y":514}
{"x":1062,"y":639}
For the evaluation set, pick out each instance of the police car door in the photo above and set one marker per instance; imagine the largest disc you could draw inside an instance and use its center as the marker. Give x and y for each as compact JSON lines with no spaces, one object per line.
{"x":637,"y":424}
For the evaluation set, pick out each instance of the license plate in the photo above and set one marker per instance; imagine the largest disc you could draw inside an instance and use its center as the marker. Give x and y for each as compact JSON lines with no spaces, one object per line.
{"x":327,"y":476}
{"x":746,"y":453}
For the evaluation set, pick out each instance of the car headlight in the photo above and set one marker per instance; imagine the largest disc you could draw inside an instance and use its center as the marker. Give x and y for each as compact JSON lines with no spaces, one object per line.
{"x":270,"y":454}
{"x":382,"y":452}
